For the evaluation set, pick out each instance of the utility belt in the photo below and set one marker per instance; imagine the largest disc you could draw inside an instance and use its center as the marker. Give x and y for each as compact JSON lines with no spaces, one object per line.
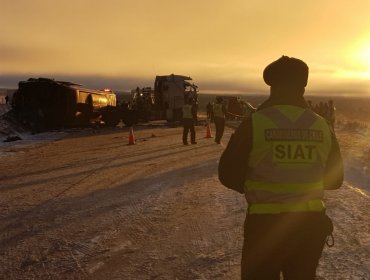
{"x":311,"y":206}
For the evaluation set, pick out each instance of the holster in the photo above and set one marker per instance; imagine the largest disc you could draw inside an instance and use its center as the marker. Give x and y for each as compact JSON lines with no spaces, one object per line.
{"x":328,"y":231}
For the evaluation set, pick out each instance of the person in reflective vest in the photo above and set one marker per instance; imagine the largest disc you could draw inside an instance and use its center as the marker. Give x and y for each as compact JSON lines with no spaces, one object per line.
{"x":219,"y":111}
{"x":282,"y":159}
{"x":188,"y":113}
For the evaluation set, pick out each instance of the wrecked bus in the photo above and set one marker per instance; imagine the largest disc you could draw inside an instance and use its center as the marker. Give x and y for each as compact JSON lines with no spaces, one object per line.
{"x":47,"y":104}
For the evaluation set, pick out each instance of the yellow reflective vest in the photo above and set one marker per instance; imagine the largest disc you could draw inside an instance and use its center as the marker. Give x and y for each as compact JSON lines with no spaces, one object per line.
{"x":187,"y":111}
{"x":287,"y":161}
{"x":217,"y":110}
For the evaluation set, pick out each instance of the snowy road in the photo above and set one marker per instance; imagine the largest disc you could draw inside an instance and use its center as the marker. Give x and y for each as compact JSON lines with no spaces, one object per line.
{"x":93,"y":207}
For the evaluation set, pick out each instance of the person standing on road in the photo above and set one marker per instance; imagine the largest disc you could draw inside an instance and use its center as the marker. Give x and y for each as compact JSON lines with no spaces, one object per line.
{"x":219,"y":111}
{"x":331,"y":113}
{"x":209,"y":111}
{"x":282,"y":159}
{"x":188,"y":113}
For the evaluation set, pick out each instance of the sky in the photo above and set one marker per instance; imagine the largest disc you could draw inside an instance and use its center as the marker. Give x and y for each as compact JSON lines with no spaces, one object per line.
{"x":224,"y":45}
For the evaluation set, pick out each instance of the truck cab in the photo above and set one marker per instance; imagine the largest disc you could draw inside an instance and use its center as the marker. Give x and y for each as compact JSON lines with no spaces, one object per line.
{"x":171,"y":92}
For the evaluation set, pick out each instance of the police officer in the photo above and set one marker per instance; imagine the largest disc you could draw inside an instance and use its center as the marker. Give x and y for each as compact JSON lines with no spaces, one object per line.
{"x":219,"y":111}
{"x":282,"y":159}
{"x":188,"y":114}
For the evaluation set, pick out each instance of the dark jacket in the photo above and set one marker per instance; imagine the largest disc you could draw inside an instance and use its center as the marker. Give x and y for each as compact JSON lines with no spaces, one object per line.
{"x":234,"y":160}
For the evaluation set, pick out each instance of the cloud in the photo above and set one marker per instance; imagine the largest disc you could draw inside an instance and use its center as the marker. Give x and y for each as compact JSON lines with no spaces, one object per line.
{"x":224,"y":46}
{"x":21,"y":59}
{"x":19,"y":54}
{"x":315,"y":87}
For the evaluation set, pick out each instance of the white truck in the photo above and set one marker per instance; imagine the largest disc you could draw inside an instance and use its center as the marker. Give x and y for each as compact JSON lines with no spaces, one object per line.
{"x":165,"y":101}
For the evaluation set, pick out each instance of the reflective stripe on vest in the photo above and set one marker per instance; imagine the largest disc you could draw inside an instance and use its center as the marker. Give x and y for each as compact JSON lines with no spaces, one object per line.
{"x":276,"y":208}
{"x":217,"y":110}
{"x":287,"y":162}
{"x":187,"y":111}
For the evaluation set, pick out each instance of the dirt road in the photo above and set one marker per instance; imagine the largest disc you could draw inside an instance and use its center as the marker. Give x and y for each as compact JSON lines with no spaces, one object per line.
{"x":93,"y":207}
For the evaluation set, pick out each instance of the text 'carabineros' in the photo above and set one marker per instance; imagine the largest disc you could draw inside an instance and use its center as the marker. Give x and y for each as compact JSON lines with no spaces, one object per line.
{"x":293,"y":135}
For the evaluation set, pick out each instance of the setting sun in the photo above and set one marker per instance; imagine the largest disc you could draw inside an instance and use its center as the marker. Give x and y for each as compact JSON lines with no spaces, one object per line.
{"x":363,"y":55}
{"x":358,"y":62}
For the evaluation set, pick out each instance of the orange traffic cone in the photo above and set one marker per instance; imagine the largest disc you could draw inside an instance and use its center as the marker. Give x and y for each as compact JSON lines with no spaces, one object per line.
{"x":131,"y":138}
{"x":209,"y":134}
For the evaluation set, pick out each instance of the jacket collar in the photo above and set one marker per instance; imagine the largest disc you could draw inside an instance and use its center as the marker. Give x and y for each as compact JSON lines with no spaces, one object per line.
{"x":298,"y":101}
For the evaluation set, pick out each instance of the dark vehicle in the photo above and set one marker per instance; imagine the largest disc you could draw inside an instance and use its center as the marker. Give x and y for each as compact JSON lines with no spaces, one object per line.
{"x":143,"y":104}
{"x":236,"y":108}
{"x":47,"y":104}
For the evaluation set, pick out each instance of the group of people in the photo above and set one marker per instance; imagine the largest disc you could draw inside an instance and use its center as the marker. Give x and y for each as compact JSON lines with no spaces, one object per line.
{"x":324,"y":109}
{"x":189,"y":117}
{"x":281,"y":158}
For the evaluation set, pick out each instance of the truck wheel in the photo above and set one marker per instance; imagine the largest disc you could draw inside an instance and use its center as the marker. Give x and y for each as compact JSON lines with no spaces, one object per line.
{"x":111,"y":116}
{"x":130,"y":118}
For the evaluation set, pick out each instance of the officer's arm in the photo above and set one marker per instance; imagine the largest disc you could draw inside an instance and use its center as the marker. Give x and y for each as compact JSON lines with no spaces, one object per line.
{"x":334,"y":173}
{"x":233,"y":162}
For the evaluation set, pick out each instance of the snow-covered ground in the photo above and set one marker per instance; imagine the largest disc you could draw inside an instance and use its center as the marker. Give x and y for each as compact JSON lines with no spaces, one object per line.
{"x":105,"y":210}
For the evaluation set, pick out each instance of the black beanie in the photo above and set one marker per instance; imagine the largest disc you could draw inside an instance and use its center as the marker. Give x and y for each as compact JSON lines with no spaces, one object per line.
{"x":286,"y":70}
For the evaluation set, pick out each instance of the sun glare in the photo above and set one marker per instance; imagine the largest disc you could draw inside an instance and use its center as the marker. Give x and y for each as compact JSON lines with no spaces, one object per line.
{"x":359,"y":63}
{"x":364,"y":54}
{"x":361,"y":57}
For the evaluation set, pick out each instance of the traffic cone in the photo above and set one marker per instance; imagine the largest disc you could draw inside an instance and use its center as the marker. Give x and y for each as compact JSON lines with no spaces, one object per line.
{"x":131,"y":137}
{"x":209,"y":134}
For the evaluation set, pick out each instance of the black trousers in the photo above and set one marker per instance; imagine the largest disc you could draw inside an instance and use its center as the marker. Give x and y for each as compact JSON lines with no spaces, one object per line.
{"x":188,"y":126}
{"x":290,"y":243}
{"x":220,"y":126}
